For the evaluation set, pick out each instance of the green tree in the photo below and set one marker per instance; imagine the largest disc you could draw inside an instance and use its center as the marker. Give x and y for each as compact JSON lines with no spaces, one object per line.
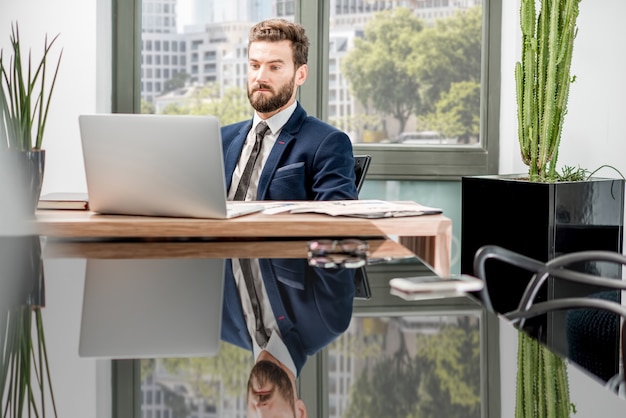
{"x":389,"y":389}
{"x":231,"y":368}
{"x":209,"y":378}
{"x":457,"y":112}
{"x":232,"y":107}
{"x":147,"y":107}
{"x":446,"y":53}
{"x":450,"y":366}
{"x":177,"y":81}
{"x":377,"y":69}
{"x":442,"y":378}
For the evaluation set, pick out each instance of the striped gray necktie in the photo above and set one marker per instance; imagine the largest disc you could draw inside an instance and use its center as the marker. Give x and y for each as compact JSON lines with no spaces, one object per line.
{"x":244,"y":182}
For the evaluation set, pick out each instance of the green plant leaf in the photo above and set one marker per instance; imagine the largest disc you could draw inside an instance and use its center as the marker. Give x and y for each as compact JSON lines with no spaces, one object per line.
{"x":25,"y":94}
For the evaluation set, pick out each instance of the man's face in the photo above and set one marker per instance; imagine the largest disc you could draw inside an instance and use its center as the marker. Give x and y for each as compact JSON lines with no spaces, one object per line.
{"x":272,"y":76}
{"x":271,"y":393}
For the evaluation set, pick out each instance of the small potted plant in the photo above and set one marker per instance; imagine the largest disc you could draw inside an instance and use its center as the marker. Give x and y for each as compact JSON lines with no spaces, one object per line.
{"x":26,"y":88}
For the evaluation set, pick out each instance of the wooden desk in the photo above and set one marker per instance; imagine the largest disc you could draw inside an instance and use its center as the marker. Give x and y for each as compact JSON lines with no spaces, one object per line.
{"x":429,"y":237}
{"x":378,"y":248}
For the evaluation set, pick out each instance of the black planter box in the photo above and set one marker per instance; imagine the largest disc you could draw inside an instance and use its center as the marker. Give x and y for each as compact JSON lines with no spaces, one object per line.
{"x":542,"y":221}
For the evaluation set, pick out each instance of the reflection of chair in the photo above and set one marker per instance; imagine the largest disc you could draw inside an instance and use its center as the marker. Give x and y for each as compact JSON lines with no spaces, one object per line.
{"x":557,"y":268}
{"x":361,"y":164}
{"x":361,"y":284}
{"x":592,"y":321}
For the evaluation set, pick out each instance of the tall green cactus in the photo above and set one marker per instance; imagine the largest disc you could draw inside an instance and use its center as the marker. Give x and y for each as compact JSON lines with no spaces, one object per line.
{"x":542,"y":81}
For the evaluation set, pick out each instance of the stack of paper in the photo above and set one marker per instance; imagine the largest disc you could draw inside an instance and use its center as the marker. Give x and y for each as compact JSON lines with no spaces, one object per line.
{"x":355,"y":208}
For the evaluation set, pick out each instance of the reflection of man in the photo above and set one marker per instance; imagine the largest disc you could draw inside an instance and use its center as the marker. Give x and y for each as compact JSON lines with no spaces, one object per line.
{"x":300,"y":157}
{"x":272,"y":390}
{"x":304,"y":309}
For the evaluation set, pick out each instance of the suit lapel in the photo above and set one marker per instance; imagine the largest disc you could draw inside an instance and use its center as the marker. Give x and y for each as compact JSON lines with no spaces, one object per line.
{"x":232,"y":310}
{"x":271,"y":287}
{"x":233,"y":152}
{"x":287,"y":134}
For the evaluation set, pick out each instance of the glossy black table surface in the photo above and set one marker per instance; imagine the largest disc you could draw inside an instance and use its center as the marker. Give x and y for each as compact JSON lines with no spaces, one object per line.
{"x":445,"y":357}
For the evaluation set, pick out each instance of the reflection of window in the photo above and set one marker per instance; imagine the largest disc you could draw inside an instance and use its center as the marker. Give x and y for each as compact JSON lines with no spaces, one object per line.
{"x":412,"y":359}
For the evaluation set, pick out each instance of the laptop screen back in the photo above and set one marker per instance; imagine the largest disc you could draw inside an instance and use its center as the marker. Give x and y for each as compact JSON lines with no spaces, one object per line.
{"x":156,"y":165}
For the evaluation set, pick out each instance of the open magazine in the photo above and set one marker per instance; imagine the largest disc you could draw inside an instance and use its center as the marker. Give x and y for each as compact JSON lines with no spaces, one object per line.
{"x":355,"y":208}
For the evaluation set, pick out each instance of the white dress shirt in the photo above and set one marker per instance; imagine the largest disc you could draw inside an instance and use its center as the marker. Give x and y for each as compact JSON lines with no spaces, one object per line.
{"x":275,"y":346}
{"x":275,"y":124}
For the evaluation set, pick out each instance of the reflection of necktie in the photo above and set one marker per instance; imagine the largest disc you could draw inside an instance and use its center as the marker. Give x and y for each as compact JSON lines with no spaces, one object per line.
{"x":260,"y":334}
{"x":244,"y":182}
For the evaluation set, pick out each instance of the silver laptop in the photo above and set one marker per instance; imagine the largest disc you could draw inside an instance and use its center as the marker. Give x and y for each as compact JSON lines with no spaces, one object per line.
{"x":157,"y":165}
{"x":151,"y":308}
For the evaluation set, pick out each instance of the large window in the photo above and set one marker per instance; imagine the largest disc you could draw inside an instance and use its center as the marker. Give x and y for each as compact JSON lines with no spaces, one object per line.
{"x":414,"y":83}
{"x":406,"y":84}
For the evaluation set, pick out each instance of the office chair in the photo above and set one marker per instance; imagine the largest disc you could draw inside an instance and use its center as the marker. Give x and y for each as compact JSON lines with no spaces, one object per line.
{"x":592,"y":321}
{"x":361,"y":165}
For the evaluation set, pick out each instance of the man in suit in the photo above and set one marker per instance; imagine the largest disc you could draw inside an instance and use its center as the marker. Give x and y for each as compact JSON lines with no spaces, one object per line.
{"x":300,"y":157}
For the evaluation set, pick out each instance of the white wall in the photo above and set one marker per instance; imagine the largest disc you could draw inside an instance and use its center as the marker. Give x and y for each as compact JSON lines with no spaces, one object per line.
{"x":83,"y":84}
{"x":80,"y":385}
{"x":594,"y":132}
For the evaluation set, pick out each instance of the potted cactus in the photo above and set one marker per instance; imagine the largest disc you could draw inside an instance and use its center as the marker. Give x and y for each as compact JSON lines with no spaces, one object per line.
{"x":543,"y":81}
{"x":541,"y":213}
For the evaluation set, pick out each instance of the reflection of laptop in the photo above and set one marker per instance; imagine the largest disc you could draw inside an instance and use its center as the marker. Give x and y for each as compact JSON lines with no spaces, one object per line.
{"x":149,"y":308}
{"x":156,"y":165}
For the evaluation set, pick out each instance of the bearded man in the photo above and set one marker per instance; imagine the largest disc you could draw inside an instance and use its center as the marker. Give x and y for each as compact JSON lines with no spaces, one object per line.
{"x":282,"y":153}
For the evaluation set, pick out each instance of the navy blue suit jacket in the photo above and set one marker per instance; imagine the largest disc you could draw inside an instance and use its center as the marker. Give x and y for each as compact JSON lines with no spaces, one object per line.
{"x":311,"y":160}
{"x":312,"y":306}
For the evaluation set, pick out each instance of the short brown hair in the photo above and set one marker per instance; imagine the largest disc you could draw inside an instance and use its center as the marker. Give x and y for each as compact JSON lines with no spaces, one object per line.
{"x":274,"y":30}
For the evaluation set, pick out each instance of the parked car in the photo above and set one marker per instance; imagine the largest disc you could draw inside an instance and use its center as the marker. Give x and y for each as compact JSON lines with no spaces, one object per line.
{"x":423,"y":138}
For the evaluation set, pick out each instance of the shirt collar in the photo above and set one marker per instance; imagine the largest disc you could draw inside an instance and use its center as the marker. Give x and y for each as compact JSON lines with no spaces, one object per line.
{"x":277,"y":348}
{"x":277,"y":121}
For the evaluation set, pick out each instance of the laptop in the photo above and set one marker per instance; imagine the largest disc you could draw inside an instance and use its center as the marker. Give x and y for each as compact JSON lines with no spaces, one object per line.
{"x":157,"y":165}
{"x":151,"y":308}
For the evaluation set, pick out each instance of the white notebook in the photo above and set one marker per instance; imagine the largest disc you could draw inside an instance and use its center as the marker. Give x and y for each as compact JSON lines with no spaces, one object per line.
{"x":157,"y":165}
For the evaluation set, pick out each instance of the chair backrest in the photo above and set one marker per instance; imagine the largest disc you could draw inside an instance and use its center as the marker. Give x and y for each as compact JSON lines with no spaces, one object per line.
{"x":361,"y":165}
{"x":557,"y":268}
{"x":583,"y":324}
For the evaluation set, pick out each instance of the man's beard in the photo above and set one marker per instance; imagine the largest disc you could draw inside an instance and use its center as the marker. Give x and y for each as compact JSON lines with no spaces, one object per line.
{"x":263,"y":104}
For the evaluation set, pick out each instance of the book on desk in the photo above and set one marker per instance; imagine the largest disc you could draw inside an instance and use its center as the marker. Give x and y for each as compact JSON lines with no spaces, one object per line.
{"x":64,"y":200}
